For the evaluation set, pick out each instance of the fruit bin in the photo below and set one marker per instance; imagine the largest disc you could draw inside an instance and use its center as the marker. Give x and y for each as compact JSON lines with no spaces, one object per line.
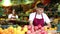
{"x":26,"y":29}
{"x":12,"y":29}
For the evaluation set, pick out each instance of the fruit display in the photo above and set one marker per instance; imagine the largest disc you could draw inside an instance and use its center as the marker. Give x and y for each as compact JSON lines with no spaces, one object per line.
{"x":40,"y":30}
{"x":14,"y":30}
{"x":36,"y":30}
{"x":27,"y":29}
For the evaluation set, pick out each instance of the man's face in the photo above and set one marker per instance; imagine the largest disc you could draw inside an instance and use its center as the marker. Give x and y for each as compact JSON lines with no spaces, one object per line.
{"x":40,"y":10}
{"x":13,"y":12}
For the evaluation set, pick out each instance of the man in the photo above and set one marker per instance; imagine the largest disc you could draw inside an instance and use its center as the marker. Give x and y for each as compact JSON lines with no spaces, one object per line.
{"x":13,"y":15}
{"x":12,"y":18}
{"x":39,"y":17}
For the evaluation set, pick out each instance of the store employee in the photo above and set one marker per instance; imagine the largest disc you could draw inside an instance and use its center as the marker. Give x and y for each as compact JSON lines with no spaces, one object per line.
{"x":39,"y":17}
{"x":13,"y":16}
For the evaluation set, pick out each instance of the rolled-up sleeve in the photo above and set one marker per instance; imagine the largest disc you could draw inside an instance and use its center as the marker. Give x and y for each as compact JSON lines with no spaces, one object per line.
{"x":31,"y":17}
{"x":17,"y":16}
{"x":46,"y":18}
{"x":9,"y":16}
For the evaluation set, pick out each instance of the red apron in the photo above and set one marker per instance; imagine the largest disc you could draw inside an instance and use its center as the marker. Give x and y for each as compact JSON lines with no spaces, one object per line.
{"x":37,"y":22}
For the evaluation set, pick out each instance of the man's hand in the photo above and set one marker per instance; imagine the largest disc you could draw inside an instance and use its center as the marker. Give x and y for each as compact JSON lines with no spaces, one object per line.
{"x":31,"y":23}
{"x":49,"y":25}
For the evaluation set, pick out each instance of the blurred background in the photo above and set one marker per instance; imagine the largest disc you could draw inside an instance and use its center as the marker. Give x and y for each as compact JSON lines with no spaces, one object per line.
{"x":24,"y":7}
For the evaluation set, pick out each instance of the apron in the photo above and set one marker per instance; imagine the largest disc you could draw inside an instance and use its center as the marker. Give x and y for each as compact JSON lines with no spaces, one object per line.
{"x":37,"y":22}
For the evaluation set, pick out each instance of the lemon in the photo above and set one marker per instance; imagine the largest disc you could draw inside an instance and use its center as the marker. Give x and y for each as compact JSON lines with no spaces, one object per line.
{"x":25,"y":29}
{"x":19,"y":28}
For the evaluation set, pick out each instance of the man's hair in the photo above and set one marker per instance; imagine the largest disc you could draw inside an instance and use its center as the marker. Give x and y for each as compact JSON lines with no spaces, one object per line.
{"x":40,"y":5}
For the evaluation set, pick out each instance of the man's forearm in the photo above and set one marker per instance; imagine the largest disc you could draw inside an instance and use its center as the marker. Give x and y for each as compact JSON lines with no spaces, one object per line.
{"x":31,"y":23}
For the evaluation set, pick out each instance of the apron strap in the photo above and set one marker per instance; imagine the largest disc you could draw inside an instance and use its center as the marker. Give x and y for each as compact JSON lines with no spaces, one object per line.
{"x":42,"y":16}
{"x":36,"y":14}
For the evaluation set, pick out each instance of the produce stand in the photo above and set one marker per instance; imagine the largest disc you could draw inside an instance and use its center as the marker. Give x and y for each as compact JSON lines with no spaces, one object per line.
{"x":26,"y":28}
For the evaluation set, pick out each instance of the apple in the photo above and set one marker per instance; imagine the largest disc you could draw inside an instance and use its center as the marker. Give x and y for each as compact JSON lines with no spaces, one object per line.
{"x":32,"y":30}
{"x":39,"y":26}
{"x":42,"y":28}
{"x":39,"y":32}
{"x":29,"y":27}
{"x":33,"y":33}
{"x":28,"y":32}
{"x":35,"y":28}
{"x":44,"y":32}
{"x":36,"y":32}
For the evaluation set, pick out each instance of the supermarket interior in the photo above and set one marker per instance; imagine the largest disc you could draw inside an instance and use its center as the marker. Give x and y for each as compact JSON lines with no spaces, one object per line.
{"x":15,"y":17}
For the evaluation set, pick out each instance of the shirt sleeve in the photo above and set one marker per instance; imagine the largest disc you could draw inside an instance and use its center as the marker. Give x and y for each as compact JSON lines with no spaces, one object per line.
{"x":9,"y":16}
{"x":47,"y":20}
{"x":17,"y":16}
{"x":31,"y":17}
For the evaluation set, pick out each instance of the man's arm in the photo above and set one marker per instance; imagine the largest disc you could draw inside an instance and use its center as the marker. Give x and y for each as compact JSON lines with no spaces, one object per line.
{"x":30,"y":23}
{"x":16,"y":16}
{"x":49,"y":25}
{"x":47,"y":20}
{"x":31,"y":17}
{"x":9,"y":16}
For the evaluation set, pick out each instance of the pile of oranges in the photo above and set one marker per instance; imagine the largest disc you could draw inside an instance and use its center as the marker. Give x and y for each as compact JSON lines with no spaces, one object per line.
{"x":11,"y":30}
